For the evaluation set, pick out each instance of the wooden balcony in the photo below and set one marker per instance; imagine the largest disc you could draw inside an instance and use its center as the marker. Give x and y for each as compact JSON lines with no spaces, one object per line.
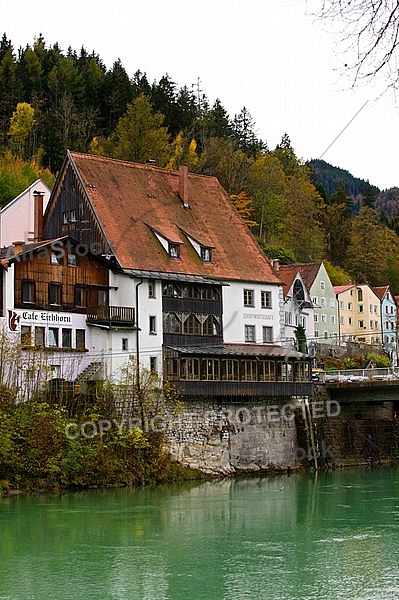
{"x":113,"y":316}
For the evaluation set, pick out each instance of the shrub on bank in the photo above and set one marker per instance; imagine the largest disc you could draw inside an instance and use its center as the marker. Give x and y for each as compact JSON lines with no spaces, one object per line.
{"x":37,"y":451}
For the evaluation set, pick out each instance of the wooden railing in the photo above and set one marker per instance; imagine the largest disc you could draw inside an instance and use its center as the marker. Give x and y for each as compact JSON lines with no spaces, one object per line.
{"x":111,"y":315}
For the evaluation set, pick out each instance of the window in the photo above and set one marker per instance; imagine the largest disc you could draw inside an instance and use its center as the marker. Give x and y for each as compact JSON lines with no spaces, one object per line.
{"x":250,"y":333}
{"x":55,"y":258}
{"x":151,"y":288}
{"x":53,"y":338}
{"x":284,"y":371}
{"x":332,"y":319}
{"x":360,"y":308}
{"x":80,"y":296}
{"x":67,"y":338}
{"x":248,"y":370}
{"x":267,"y":334}
{"x":80,"y":339}
{"x":210,"y":369}
{"x":249,"y":298}
{"x":190,"y":368}
{"x":54,"y":294}
{"x":350,"y":305}
{"x":375,"y":309}
{"x":39,"y":337}
{"x":371,"y":324}
{"x":102,"y":297}
{"x":359,"y":295}
{"x":332,"y":303}
{"x":69,"y":217}
{"x":323,"y":302}
{"x":206,"y":254}
{"x":316,"y":333}
{"x":28,"y":291}
{"x":326,"y":335}
{"x":324,"y":318}
{"x":210,"y":326}
{"x":341,"y":320}
{"x":26,"y":335}
{"x":153,"y":324}
{"x":322,"y":285}
{"x":266,"y":299}
{"x":361,"y":324}
{"x":230,"y":370}
{"x":267,"y":370}
{"x":192,"y":325}
{"x":316,"y":318}
{"x":287,"y":318}
{"x":172,"y":323}
{"x":72,"y":260}
{"x":341,"y":304}
{"x":153,"y":363}
{"x":125,"y":344}
{"x":174,"y":250}
{"x":350,"y":321}
{"x":315,"y":300}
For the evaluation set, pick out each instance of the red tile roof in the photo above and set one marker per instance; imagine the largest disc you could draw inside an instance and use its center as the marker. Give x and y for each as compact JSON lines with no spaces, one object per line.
{"x":380,"y":291}
{"x":288,"y":274}
{"x":133,"y":200}
{"x":338,"y":289}
{"x":308,"y":272}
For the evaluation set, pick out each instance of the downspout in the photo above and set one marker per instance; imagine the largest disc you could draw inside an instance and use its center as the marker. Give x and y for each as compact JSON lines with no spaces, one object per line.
{"x":137,"y":334}
{"x":138,"y":353}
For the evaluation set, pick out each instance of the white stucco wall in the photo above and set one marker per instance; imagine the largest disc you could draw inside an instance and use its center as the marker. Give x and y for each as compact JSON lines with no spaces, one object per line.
{"x":17,"y":217}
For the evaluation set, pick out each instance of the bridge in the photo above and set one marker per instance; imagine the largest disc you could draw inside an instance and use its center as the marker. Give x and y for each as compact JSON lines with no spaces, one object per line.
{"x":363,"y":385}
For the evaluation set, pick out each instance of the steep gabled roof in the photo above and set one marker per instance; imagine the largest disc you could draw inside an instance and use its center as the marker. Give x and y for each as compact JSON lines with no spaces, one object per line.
{"x":288,"y":274}
{"x":381,"y":291}
{"x":309,"y":273}
{"x":138,"y":205}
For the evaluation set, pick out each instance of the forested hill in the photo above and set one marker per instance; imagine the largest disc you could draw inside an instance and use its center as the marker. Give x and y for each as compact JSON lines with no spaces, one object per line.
{"x":51,"y":101}
{"x":330,"y":177}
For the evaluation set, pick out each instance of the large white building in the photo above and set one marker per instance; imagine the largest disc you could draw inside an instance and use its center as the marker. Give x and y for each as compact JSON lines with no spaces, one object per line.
{"x":188,"y":292}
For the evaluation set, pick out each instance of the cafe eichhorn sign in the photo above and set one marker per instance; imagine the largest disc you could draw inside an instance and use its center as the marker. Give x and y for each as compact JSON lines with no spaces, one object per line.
{"x":16,"y":318}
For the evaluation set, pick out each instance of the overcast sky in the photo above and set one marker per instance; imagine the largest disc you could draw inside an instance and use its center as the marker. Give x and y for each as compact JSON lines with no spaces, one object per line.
{"x":267,"y":55}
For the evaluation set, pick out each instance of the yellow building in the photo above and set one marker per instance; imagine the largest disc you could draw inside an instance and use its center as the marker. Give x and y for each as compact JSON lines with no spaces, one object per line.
{"x":359,"y":314}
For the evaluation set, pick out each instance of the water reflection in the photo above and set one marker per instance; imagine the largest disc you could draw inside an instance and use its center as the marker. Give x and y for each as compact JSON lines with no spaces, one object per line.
{"x":325,"y":536}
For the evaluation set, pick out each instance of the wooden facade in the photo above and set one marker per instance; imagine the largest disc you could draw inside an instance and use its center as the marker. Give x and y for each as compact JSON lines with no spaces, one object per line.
{"x":222,"y":371}
{"x":72,"y":214}
{"x":60,"y":277}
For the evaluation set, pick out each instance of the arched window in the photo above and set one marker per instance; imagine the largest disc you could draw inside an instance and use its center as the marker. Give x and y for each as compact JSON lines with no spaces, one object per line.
{"x":192,"y":325}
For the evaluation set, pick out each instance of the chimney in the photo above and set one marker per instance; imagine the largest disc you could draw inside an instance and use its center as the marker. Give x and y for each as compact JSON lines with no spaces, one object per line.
{"x":276,"y":264}
{"x":38,"y":216}
{"x":18,"y":246}
{"x":183,"y":185}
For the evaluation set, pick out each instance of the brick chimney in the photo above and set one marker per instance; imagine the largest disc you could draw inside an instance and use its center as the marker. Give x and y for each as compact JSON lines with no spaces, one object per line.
{"x":183,"y":185}
{"x":38,"y":227}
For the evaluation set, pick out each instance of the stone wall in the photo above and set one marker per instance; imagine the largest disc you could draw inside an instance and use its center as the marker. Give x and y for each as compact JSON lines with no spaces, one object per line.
{"x":282,"y":434}
{"x":228,"y":437}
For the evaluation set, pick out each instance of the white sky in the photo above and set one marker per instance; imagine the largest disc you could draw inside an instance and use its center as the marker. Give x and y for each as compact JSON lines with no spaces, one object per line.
{"x":266,"y":55}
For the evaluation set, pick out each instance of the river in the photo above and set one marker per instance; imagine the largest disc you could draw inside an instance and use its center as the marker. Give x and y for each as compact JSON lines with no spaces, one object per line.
{"x":321,"y":536}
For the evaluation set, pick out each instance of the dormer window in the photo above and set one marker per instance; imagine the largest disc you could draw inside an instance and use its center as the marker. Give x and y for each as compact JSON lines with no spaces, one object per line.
{"x":174,"y":250}
{"x":206,"y":254}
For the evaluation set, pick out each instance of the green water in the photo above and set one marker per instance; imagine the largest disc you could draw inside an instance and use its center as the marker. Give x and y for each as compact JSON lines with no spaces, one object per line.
{"x":331,"y":536}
